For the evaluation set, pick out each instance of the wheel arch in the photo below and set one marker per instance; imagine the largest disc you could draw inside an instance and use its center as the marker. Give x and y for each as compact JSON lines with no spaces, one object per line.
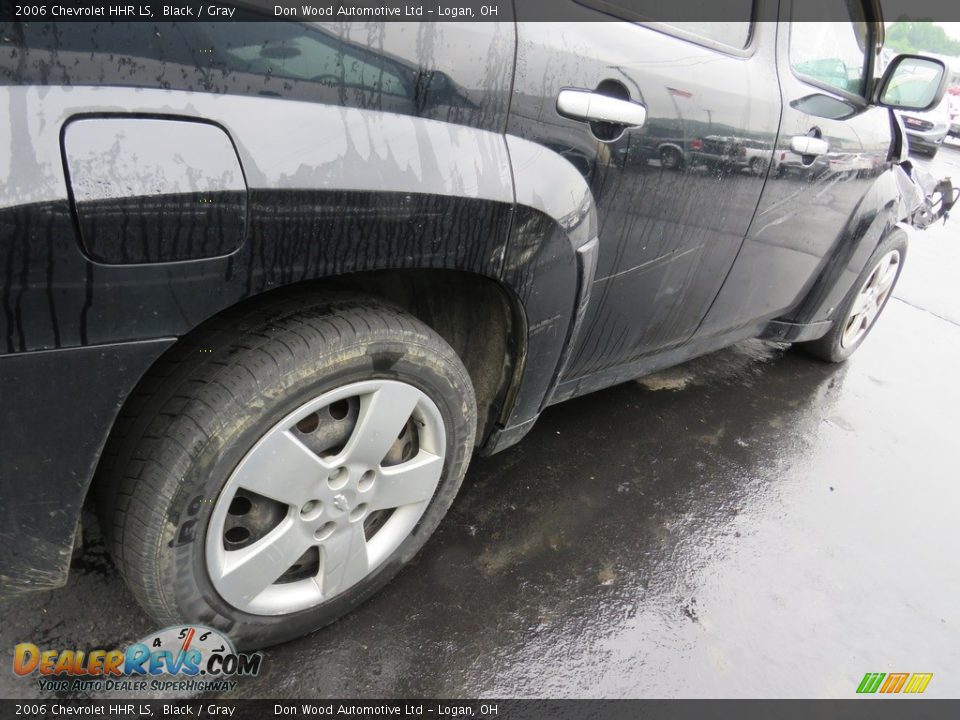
{"x":874,"y":219}
{"x":481,"y":318}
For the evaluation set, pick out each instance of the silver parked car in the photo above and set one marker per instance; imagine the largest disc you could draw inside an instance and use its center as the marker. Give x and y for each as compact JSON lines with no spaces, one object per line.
{"x":926,"y":131}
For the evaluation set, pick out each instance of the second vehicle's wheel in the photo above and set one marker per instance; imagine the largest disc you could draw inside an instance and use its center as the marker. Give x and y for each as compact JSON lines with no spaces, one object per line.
{"x":864,"y":303}
{"x":758,"y":166}
{"x":285,"y":464}
{"x":670,"y":158}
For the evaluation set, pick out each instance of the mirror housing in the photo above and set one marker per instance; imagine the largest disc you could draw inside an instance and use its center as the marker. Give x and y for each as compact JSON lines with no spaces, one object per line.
{"x":912,"y":82}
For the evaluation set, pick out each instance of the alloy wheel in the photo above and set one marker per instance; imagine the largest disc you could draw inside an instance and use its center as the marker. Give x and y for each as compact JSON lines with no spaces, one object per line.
{"x":870,"y":299}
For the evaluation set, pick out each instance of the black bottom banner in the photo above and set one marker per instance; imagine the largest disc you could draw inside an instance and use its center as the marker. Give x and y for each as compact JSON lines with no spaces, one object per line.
{"x":865,"y":708}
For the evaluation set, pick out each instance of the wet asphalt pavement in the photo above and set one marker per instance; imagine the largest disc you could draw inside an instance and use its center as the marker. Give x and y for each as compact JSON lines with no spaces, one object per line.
{"x":751,"y":524}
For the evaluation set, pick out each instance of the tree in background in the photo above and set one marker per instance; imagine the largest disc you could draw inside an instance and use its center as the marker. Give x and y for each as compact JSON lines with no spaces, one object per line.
{"x":919,"y":37}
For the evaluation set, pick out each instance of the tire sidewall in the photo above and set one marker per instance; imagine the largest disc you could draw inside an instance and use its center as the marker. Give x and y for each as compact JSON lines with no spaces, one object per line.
{"x":182,"y":551}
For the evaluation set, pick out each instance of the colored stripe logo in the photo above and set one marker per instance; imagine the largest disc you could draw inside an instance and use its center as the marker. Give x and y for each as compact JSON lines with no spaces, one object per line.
{"x":887,"y":684}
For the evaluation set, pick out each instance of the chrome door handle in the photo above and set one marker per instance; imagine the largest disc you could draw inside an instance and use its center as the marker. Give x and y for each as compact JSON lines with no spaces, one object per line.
{"x":594,"y":107}
{"x":808,"y":145}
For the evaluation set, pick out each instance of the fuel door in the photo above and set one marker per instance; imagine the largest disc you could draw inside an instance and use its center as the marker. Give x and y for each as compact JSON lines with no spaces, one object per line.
{"x":154,"y":190}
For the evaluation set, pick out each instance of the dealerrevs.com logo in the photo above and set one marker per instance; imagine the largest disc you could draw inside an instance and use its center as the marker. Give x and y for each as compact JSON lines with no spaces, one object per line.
{"x":893,"y":683}
{"x":192,"y":658}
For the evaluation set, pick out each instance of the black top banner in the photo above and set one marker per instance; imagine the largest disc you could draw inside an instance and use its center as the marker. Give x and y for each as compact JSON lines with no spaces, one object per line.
{"x":445,"y":10}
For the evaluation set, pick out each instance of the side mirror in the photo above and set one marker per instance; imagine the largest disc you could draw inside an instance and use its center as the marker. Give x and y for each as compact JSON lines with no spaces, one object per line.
{"x":912,"y":82}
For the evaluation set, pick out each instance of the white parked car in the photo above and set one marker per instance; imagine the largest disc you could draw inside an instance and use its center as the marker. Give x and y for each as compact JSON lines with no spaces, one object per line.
{"x":926,"y":131}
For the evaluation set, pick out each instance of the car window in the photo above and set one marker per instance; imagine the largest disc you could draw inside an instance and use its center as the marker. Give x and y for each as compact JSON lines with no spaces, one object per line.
{"x":732,"y":34}
{"x":208,"y":53}
{"x":833,"y":51}
{"x":306,"y":57}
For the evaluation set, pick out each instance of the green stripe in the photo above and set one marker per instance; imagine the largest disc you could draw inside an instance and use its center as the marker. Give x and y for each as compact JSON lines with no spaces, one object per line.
{"x":871,"y":682}
{"x":862,"y":687}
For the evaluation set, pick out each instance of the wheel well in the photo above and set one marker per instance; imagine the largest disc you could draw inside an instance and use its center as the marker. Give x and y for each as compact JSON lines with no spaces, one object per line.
{"x":480,"y":318}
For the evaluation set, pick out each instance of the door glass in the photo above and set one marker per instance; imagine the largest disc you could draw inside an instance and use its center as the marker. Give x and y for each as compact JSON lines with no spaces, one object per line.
{"x":309,"y":57}
{"x":833,"y":52}
{"x":734,"y":33}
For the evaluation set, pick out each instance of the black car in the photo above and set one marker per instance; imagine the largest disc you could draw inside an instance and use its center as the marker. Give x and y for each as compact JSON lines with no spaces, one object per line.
{"x":267,"y":288}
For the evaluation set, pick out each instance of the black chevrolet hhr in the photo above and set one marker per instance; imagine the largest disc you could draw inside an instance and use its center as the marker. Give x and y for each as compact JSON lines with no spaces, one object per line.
{"x":268,"y":287}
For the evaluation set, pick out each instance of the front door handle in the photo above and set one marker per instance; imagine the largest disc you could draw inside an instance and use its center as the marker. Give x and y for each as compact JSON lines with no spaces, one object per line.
{"x":809,"y":145}
{"x":594,"y":107}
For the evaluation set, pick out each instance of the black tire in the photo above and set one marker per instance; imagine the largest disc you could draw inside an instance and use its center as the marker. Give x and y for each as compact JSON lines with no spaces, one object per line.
{"x":830,"y":347}
{"x":758,"y":166}
{"x":671,"y":158}
{"x":206,"y":404}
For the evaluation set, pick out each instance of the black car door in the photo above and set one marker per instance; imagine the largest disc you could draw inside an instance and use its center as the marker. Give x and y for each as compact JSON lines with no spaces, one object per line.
{"x":675,"y":196}
{"x":812,"y":203}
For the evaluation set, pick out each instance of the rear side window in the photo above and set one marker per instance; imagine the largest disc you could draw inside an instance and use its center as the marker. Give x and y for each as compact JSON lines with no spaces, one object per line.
{"x":315,"y":59}
{"x":732,"y":34}
{"x":833,"y":50}
{"x":242,"y":58}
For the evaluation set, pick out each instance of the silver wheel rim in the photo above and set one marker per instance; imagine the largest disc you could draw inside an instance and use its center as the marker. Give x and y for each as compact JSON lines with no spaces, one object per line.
{"x":301,"y":500}
{"x":871,"y":298}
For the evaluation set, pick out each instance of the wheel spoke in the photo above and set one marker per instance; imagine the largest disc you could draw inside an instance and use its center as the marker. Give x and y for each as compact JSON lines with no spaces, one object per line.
{"x":887,"y":274}
{"x":854,"y":325}
{"x":870,"y":315}
{"x":383,"y":413}
{"x":345,"y":561}
{"x":282,"y":468}
{"x":411,"y":482}
{"x":860,"y":304}
{"x":249,"y":571}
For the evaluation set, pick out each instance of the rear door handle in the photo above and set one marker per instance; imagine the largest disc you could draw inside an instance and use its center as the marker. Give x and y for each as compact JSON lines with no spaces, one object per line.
{"x":594,"y":107}
{"x":808,"y":145}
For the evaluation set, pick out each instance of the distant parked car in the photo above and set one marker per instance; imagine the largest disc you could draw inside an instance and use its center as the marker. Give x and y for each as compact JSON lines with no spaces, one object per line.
{"x":953,"y":110}
{"x":788,"y":163}
{"x":926,"y":131}
{"x":732,"y":153}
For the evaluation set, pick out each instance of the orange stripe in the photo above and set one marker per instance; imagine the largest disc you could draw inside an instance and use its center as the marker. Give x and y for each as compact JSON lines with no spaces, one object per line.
{"x":187,"y":639}
{"x":894,"y":682}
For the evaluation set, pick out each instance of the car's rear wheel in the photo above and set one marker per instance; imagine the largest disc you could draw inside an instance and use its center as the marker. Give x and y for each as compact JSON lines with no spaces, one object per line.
{"x":670,"y":158}
{"x":864,"y":303}
{"x":758,"y":166}
{"x":287,"y":462}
